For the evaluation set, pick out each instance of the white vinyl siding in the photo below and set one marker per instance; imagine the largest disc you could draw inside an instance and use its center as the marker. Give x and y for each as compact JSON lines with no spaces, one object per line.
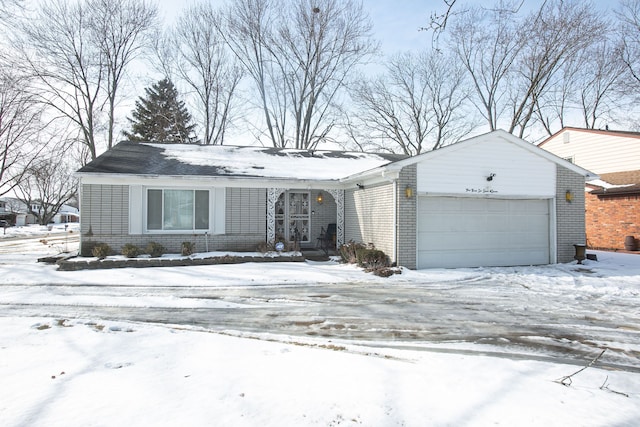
{"x":598,"y":152}
{"x":516,"y":172}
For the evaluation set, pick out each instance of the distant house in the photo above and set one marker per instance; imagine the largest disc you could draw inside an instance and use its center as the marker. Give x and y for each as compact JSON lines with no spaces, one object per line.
{"x":18,"y":213}
{"x":492,"y":200}
{"x":67,"y":214}
{"x":613,"y":202}
{"x":6,"y":213}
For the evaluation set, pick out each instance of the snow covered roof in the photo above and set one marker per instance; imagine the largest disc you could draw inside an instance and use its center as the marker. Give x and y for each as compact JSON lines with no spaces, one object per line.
{"x":130,"y":158}
{"x":616,"y":183}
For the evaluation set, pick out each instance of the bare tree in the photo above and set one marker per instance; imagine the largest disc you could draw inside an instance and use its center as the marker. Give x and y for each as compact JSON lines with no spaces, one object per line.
{"x":20,"y":131}
{"x":299,"y":56}
{"x":588,"y":87}
{"x":121,"y":30}
{"x":515,"y":61}
{"x":558,"y":104}
{"x":628,"y":15}
{"x":201,"y":60}
{"x":47,"y":185}
{"x":438,"y":21}
{"x":448,"y":92}
{"x":246,"y":28}
{"x":416,"y":106}
{"x":601,"y":74}
{"x":553,"y":35}
{"x":9,"y":8}
{"x":488,"y":42}
{"x":389,"y":118}
{"x":78,"y":52}
{"x":68,"y":67}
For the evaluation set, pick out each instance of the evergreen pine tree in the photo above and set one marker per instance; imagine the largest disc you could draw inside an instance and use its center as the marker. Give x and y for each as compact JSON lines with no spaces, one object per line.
{"x":161,"y":117}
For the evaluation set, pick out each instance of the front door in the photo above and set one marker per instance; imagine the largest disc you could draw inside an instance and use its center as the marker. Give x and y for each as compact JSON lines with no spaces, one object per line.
{"x":293,"y":216}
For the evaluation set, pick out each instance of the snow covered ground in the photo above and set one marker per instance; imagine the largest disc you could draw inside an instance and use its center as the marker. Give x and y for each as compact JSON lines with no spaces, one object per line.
{"x":97,"y":370}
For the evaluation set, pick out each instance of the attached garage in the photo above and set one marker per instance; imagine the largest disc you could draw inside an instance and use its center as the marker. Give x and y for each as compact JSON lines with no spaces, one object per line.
{"x":492,"y":200}
{"x":474,"y":232}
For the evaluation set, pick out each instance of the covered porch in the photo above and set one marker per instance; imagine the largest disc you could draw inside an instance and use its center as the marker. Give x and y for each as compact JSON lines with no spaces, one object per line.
{"x":308,"y":220}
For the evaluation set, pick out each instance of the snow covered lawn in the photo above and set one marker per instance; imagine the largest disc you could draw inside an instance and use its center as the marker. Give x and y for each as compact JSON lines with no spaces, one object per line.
{"x":114,"y":374}
{"x":86,"y":370}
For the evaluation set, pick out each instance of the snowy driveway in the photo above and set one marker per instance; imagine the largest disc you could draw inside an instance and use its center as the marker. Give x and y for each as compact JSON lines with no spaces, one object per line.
{"x":567,"y":313}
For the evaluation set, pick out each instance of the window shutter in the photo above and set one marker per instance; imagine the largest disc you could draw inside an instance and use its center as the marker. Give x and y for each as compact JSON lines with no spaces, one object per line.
{"x":136,"y":211}
{"x":219,"y":210}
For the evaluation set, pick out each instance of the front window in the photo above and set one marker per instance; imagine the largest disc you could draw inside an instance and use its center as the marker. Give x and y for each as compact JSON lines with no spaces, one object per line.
{"x":177,"y":210}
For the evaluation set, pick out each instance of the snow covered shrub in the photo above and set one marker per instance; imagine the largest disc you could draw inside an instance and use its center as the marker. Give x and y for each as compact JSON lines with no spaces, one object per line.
{"x":155,"y":249}
{"x":371,"y":259}
{"x":131,"y":251}
{"x":368,"y":257}
{"x":386,"y":271}
{"x":188,"y":248}
{"x":262,"y":247}
{"x":348,"y":251}
{"x":101,"y":250}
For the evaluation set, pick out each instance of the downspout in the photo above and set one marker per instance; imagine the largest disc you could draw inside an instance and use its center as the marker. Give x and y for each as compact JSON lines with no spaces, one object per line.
{"x":396,"y":206}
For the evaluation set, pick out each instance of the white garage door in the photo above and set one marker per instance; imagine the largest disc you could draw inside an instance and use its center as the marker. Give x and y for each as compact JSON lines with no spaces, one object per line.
{"x":473,"y":232}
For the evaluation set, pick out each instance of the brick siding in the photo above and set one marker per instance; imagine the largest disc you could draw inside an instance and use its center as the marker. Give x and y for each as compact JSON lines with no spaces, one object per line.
{"x":104,"y":216}
{"x":570,"y":226}
{"x":407,"y":221}
{"x":610,"y":219}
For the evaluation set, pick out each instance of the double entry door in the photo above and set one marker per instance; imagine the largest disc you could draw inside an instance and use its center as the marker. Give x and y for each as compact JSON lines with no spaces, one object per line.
{"x":293,"y":216}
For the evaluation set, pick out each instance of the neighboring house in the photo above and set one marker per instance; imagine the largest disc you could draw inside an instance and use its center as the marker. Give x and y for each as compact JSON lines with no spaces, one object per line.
{"x":17,"y":212}
{"x":6,"y":213}
{"x":492,"y":200}
{"x":13,"y":210}
{"x":613,"y":201}
{"x":67,"y":214}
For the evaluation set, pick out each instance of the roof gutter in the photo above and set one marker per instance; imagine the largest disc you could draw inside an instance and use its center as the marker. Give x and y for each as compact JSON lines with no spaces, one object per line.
{"x":248,"y":181}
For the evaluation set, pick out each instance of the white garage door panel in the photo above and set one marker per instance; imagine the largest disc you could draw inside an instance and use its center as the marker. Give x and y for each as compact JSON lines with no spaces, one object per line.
{"x":469,"y":232}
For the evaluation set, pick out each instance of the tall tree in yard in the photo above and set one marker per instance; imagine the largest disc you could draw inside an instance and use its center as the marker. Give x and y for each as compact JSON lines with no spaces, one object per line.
{"x":79,"y":52}
{"x":415,"y":106}
{"x":196,"y":57}
{"x":514,"y":60}
{"x":300,"y":55}
{"x":161,"y":117}
{"x":22,"y":136}
{"x":122,"y":30}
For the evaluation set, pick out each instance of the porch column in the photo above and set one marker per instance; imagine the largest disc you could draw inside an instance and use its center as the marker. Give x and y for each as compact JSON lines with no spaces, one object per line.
{"x":338,"y":196}
{"x":272,"y":198}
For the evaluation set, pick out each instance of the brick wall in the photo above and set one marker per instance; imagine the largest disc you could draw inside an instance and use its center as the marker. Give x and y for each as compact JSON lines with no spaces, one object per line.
{"x":610,"y":219}
{"x":104,"y":213}
{"x":407,"y":221}
{"x":570,"y":225}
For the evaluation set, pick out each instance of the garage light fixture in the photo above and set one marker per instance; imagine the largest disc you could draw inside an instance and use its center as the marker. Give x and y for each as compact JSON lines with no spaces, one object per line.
{"x":568,"y":196}
{"x":408,"y":192}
